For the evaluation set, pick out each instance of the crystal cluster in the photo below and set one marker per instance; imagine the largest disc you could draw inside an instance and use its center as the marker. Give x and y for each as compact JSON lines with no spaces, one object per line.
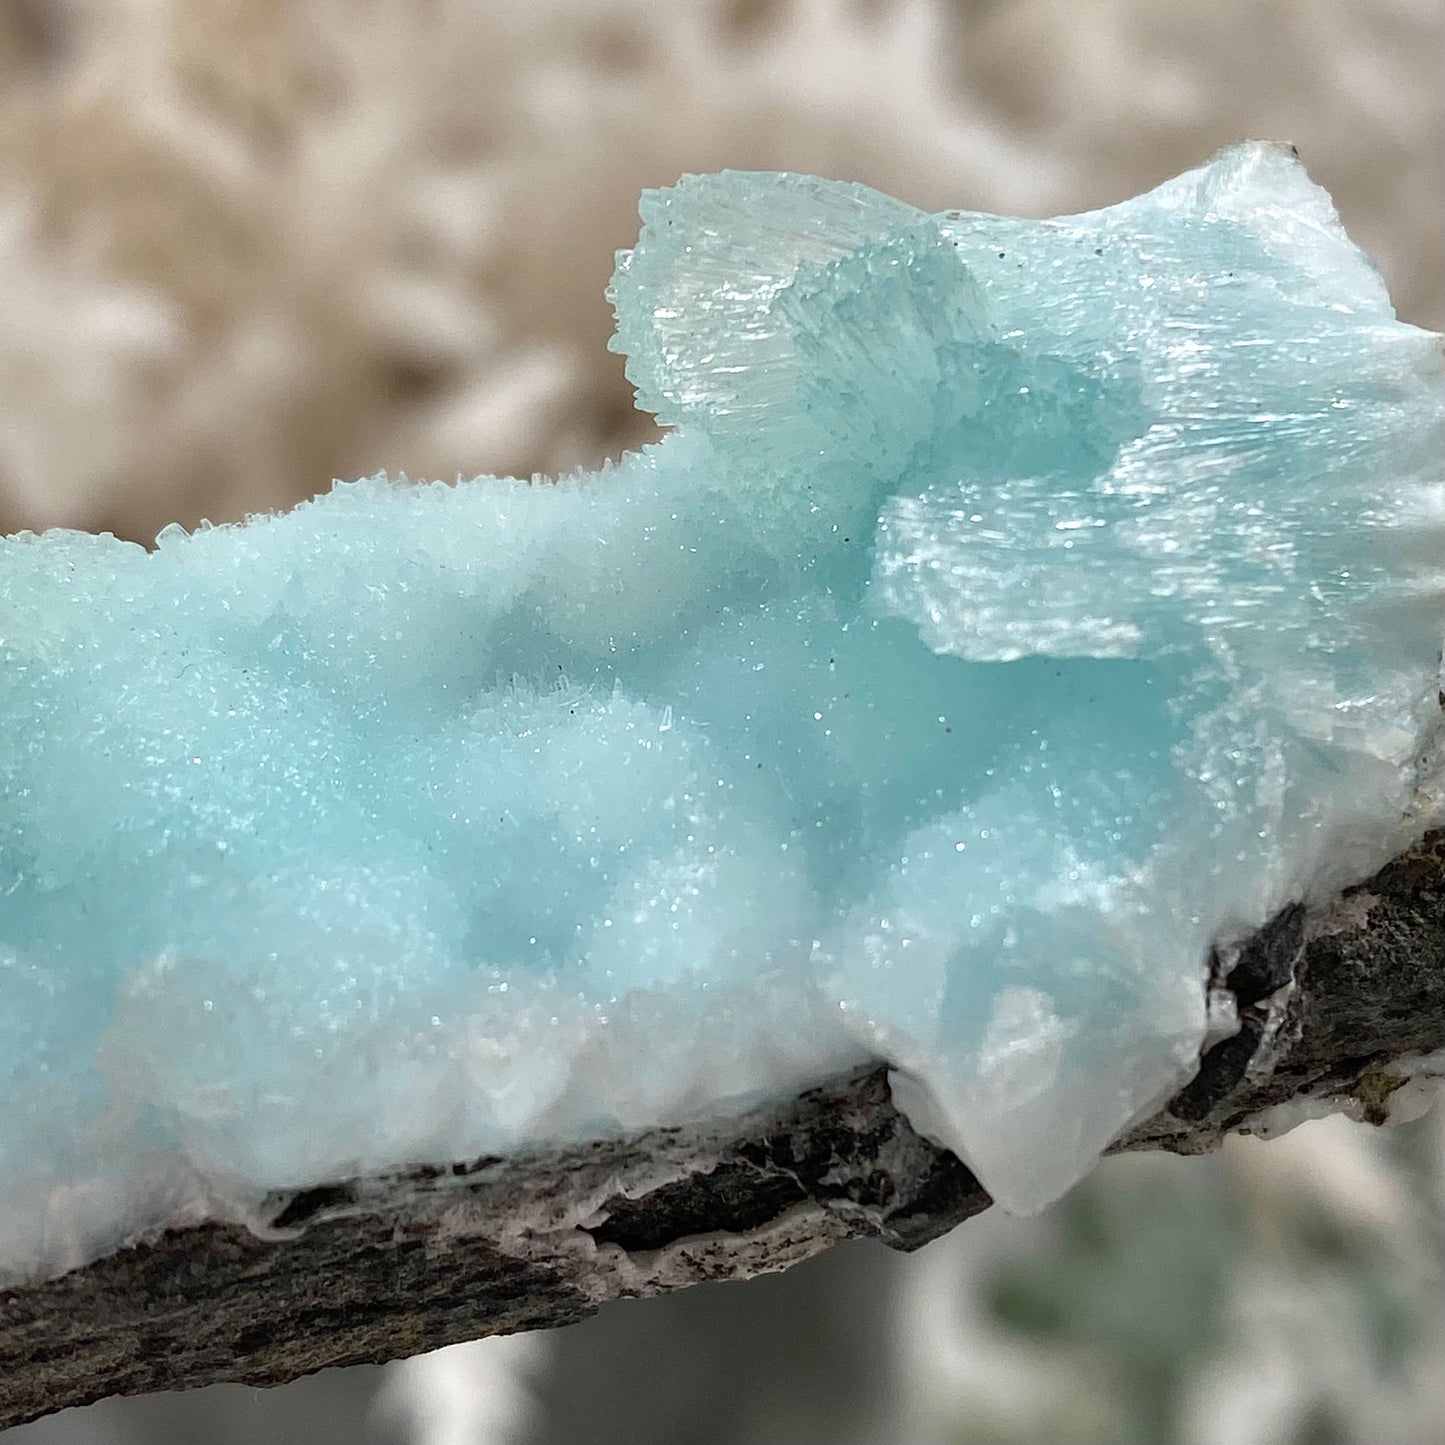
{"x":1017,"y":609}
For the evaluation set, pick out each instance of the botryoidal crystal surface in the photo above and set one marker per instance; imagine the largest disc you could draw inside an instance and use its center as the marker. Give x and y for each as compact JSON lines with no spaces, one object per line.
{"x":1015,"y":610}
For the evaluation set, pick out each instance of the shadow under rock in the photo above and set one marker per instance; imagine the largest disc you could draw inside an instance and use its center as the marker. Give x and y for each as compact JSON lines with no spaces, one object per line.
{"x":331,"y":1408}
{"x":801,"y":1358}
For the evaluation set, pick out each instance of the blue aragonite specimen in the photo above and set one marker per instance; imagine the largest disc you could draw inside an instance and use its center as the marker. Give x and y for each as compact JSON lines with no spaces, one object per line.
{"x":1017,"y":609}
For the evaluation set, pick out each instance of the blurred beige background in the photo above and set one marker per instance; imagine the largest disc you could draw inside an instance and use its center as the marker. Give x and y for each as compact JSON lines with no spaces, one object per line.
{"x":247,"y":246}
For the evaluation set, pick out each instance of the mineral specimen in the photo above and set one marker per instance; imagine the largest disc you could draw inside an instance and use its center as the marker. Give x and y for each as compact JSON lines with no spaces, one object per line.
{"x":1018,"y":610}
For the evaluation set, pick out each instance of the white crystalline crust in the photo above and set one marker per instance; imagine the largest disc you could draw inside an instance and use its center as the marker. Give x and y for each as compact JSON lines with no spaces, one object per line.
{"x":1017,"y":609}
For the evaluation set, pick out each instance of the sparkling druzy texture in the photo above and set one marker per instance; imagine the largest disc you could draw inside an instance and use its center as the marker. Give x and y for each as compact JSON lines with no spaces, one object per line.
{"x":1017,"y":609}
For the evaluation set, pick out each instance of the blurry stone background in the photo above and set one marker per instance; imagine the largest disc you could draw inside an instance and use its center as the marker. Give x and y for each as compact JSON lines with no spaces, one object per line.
{"x":247,"y":246}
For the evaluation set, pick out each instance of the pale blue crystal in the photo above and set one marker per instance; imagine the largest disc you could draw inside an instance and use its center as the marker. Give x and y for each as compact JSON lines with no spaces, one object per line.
{"x":1018,"y":609}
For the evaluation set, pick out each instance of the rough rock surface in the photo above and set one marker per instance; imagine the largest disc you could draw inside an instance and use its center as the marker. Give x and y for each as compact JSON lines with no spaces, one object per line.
{"x":1331,"y":999}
